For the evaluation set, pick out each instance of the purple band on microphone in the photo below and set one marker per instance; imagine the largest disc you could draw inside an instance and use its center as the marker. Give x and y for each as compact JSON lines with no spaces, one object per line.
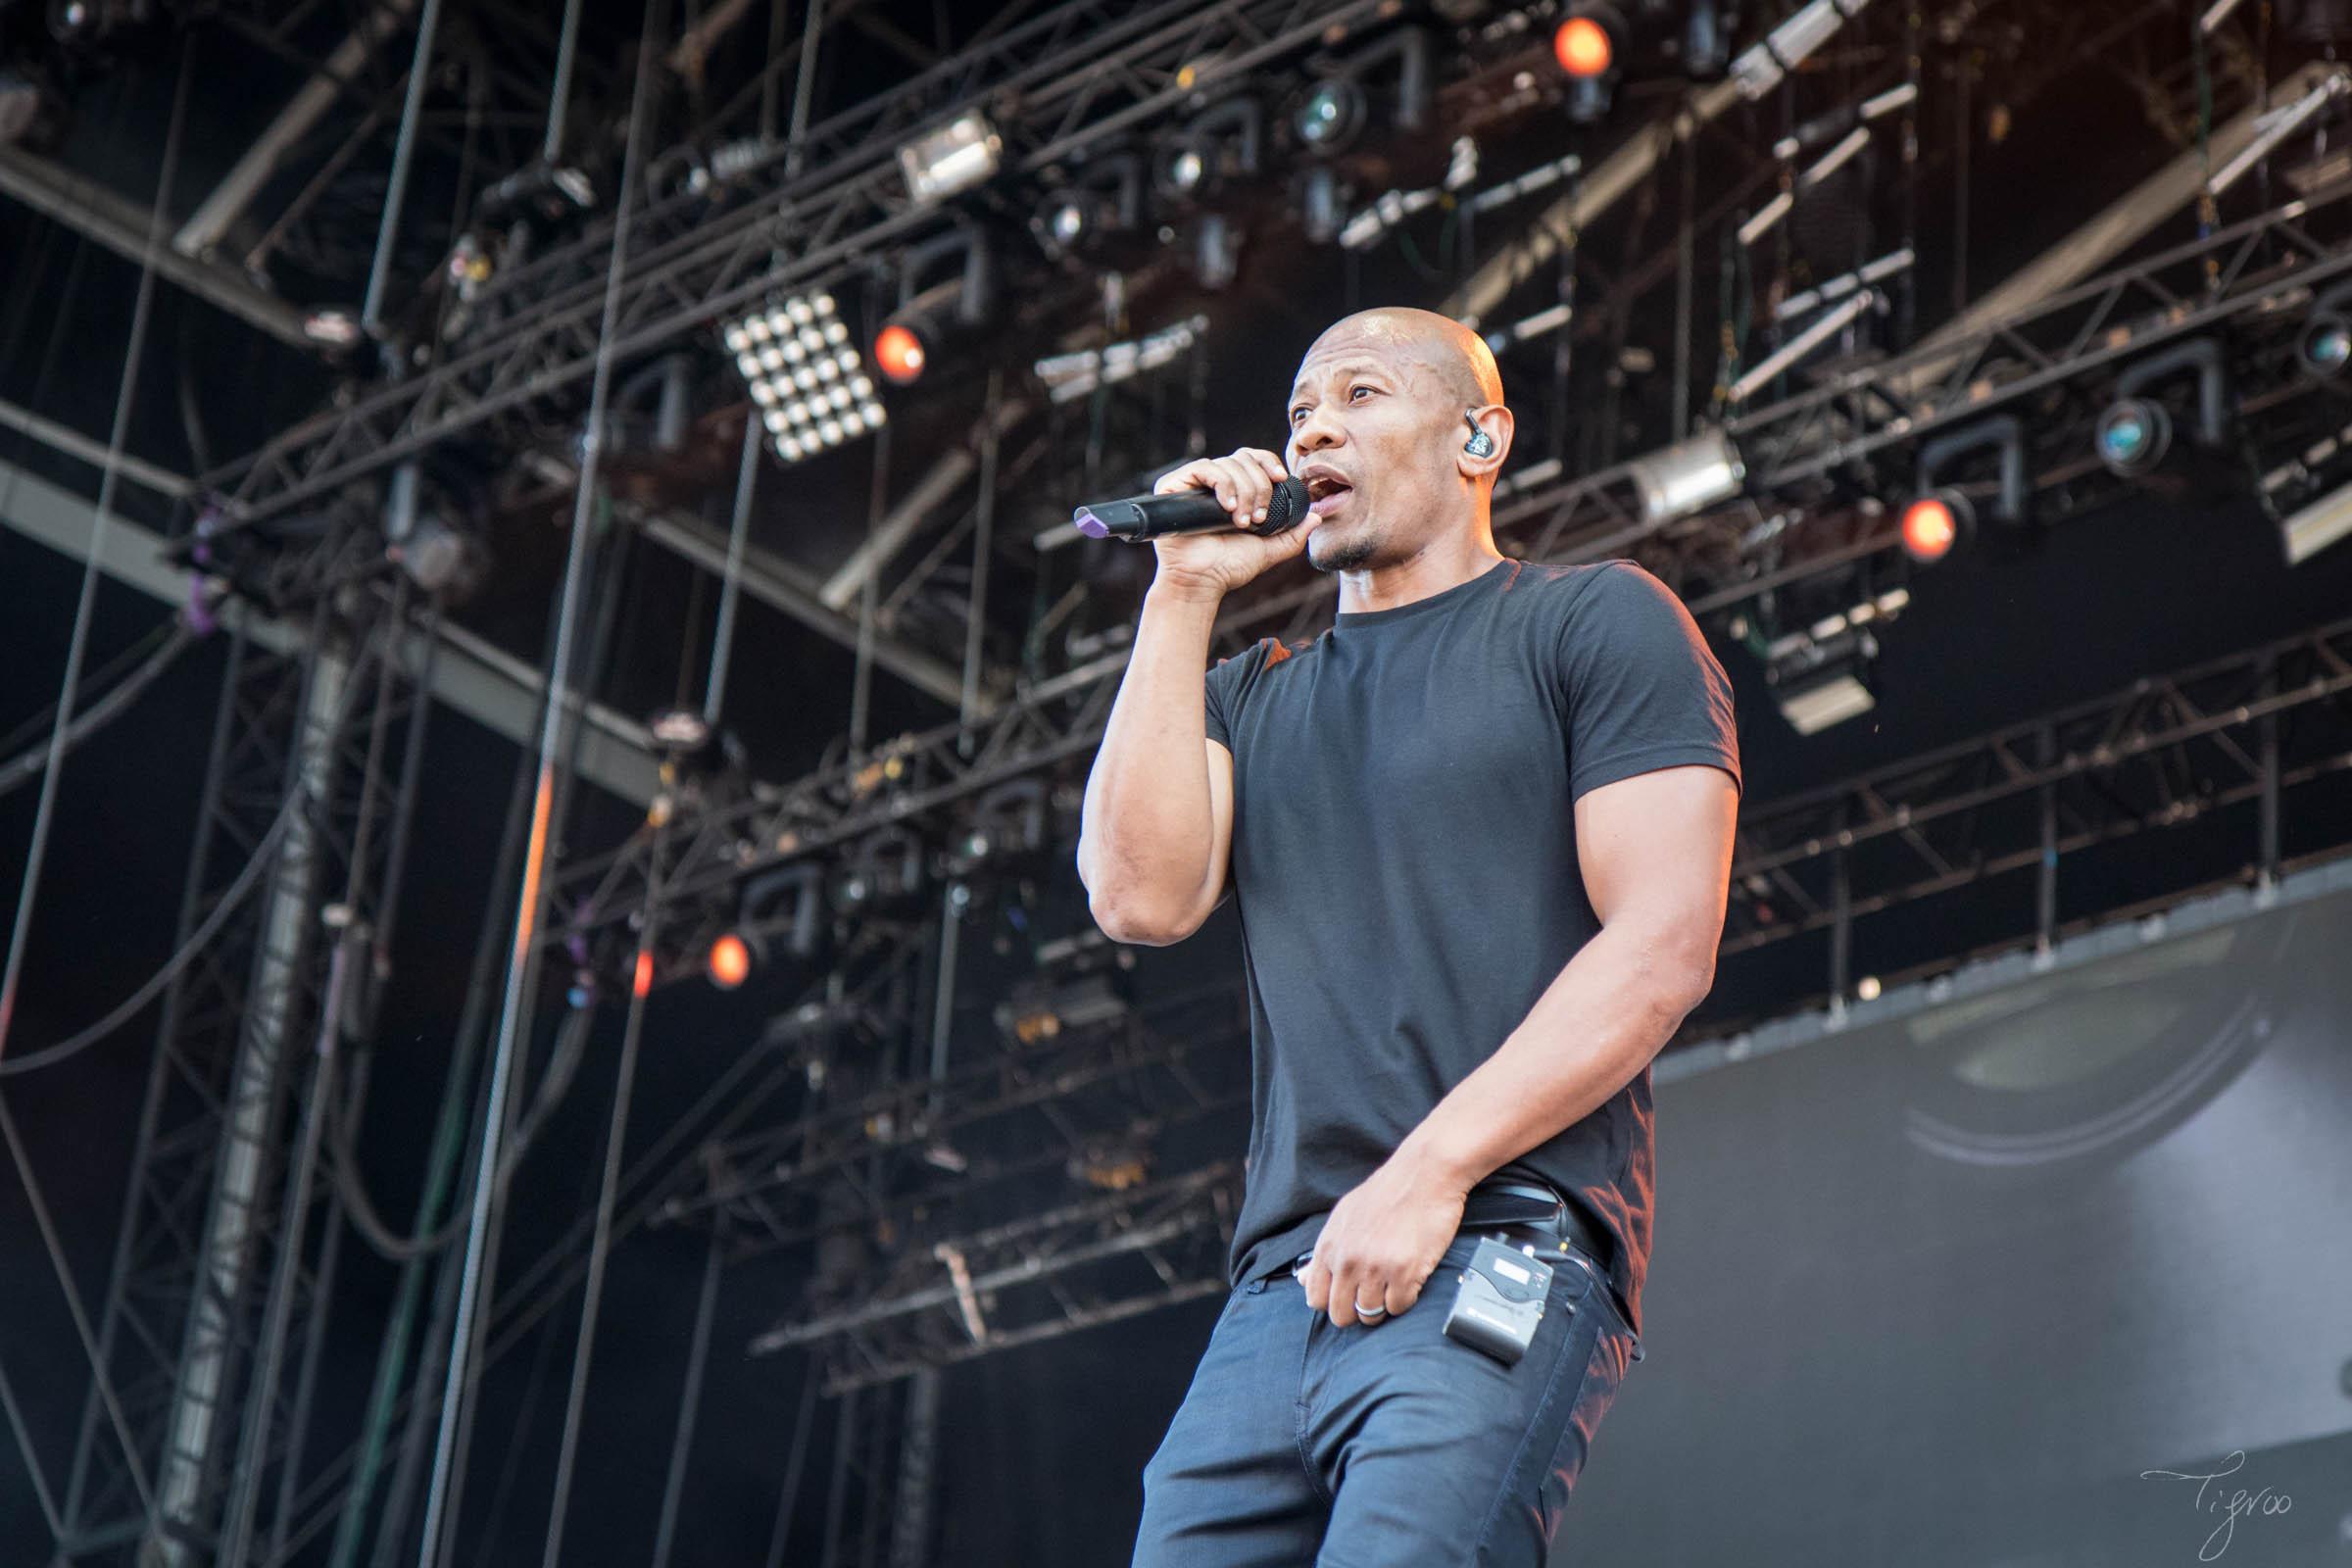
{"x":1087,"y":524}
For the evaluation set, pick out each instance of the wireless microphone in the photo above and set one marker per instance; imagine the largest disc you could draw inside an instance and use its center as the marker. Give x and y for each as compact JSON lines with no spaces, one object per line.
{"x":1140,"y":518}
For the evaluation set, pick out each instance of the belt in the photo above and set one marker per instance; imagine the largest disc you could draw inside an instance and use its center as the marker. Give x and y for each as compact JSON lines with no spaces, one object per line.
{"x":1517,"y":1207}
{"x":1507,"y":1203}
{"x":1510,"y":1204}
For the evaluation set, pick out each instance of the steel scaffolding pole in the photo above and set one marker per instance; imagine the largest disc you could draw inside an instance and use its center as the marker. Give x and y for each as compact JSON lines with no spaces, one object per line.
{"x":235,"y":1227}
{"x":200,"y":1227}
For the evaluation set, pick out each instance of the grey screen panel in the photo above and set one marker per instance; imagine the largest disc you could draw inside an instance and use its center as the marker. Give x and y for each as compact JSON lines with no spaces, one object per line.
{"x":1938,"y":1289}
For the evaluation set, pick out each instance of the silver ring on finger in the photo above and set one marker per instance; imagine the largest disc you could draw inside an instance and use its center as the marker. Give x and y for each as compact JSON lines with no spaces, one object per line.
{"x":1369,"y":1312}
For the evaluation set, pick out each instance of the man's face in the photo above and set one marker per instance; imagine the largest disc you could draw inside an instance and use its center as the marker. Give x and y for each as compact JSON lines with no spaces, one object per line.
{"x":1374,"y":424}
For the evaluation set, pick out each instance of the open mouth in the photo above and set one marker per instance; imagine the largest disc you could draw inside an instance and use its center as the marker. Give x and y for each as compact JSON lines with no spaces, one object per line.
{"x":1325,"y":496}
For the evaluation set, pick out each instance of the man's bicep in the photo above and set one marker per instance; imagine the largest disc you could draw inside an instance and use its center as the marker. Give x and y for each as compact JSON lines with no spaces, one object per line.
{"x":1656,"y":849}
{"x":1219,"y":881}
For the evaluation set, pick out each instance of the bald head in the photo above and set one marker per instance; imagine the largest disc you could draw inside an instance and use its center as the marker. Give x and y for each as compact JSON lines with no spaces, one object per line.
{"x":1422,"y":340}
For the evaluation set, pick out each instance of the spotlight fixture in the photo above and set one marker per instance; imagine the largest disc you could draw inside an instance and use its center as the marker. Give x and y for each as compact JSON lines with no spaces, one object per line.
{"x":441,"y":558}
{"x":678,"y":730}
{"x":899,"y":350}
{"x":1337,"y":106}
{"x":883,"y":873}
{"x":1933,"y":523}
{"x":2324,"y":344}
{"x":1587,"y":44}
{"x":788,"y":902}
{"x":2135,"y":432}
{"x":2132,"y":436}
{"x":1006,"y":829}
{"x":542,"y":195}
{"x":805,"y":375}
{"x":2003,"y":435}
{"x":944,"y":313}
{"x":1039,"y":1009}
{"x":1063,"y":220}
{"x":1217,"y":145}
{"x":729,"y":963}
{"x":1102,"y":206}
{"x":961,"y":154}
{"x":1831,"y":696}
{"x":1328,"y":121}
{"x":1821,"y":675}
{"x":1688,"y":477}
{"x":330,"y":327}
{"x":2319,"y":524}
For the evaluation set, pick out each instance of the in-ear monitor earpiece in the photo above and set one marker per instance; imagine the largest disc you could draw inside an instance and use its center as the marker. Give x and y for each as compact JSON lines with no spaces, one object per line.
{"x":1479,"y":444}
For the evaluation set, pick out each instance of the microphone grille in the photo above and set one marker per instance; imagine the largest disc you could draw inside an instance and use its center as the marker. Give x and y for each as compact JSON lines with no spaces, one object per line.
{"x":1287,"y":504}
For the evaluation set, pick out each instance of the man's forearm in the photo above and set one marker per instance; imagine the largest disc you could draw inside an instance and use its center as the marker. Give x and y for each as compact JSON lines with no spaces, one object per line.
{"x":1599,"y":1022}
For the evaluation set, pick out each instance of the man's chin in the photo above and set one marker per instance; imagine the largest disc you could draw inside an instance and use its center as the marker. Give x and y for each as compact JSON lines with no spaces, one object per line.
{"x":1328,"y":551}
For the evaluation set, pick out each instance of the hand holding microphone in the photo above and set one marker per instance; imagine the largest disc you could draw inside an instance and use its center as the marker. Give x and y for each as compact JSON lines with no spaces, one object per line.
{"x":1209,"y":539}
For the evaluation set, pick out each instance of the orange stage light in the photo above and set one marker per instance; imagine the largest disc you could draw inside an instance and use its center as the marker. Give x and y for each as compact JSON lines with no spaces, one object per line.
{"x":900,"y":352}
{"x":730,"y":961}
{"x":1929,"y":529}
{"x":1581,"y":46}
{"x":643,"y":982}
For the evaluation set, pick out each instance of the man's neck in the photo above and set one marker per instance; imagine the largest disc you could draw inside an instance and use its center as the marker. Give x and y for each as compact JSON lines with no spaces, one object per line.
{"x":1440,"y":565}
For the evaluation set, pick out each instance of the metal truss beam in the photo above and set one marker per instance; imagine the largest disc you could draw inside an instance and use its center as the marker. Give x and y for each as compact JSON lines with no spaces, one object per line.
{"x":474,"y":677}
{"x":312,"y":100}
{"x":2162,"y":753}
{"x":1172,"y":1237}
{"x":2255,"y":274}
{"x":2257,"y":270}
{"x":1079,"y":75}
{"x":2254,"y":271}
{"x":90,"y":209}
{"x":1010,"y":1113}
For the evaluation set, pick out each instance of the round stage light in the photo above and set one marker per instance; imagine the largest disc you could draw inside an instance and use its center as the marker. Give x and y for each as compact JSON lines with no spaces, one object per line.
{"x":2326,"y":345}
{"x":1186,"y":169}
{"x":1330,"y":117}
{"x":1583,"y":47}
{"x":730,"y":962}
{"x":2132,"y":436}
{"x":898,"y":354}
{"x":1931,"y":525}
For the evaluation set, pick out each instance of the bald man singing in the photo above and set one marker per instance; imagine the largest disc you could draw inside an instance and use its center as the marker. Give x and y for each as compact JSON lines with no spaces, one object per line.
{"x":1478,"y":835}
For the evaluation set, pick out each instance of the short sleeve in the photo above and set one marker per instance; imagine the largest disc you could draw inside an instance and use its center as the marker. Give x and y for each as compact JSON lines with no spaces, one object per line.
{"x":1644,"y":691}
{"x":1218,"y":688}
{"x":1229,"y":681}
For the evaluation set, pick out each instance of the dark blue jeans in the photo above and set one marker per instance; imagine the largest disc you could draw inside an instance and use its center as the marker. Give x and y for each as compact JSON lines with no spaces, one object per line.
{"x":1390,"y":1445}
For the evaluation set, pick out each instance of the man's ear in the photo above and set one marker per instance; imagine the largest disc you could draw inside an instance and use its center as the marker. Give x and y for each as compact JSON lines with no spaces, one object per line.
{"x":1495,"y":420}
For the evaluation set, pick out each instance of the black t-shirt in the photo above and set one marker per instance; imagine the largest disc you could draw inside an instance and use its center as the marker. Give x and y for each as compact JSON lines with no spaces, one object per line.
{"x":1404,"y":867}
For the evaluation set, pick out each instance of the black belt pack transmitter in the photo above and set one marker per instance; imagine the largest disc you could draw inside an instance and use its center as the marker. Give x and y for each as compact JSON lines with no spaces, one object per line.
{"x":1501,"y":1300}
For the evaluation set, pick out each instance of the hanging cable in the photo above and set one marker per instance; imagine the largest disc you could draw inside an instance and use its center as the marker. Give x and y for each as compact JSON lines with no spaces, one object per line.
{"x":367,"y":1217}
{"x":24,"y":735}
{"x":179,"y":638}
{"x":439,"y":1515}
{"x":238,"y":892}
{"x":44,"y":814}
